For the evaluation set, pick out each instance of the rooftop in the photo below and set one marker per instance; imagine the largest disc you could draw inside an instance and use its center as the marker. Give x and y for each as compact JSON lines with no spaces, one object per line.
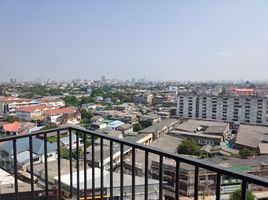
{"x":164,"y":124}
{"x":191,"y":125}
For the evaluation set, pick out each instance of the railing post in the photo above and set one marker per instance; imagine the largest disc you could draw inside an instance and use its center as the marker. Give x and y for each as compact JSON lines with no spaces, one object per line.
{"x":85,"y":165}
{"x":177,"y":185}
{"x":111,"y":169}
{"x":218,"y":187}
{"x":46,"y":173}
{"x":15,"y":167}
{"x":133,"y":172}
{"x":161,"y":177}
{"x":93,"y":166}
{"x":59,"y":165}
{"x":244,"y":190}
{"x":101,"y":167}
{"x":31,"y":166}
{"x":71,"y":162}
{"x":121,"y":172}
{"x":196,"y":182}
{"x":77,"y":166}
{"x":146,"y":175}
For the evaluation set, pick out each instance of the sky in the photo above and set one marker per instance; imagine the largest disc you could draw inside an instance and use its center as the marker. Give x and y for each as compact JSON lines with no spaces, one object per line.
{"x":152,"y":39}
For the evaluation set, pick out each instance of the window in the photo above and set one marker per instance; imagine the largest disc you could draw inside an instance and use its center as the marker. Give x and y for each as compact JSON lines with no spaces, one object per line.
{"x":36,"y":159}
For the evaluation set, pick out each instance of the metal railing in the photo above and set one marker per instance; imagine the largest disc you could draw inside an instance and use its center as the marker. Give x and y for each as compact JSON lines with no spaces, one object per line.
{"x":245,"y":178}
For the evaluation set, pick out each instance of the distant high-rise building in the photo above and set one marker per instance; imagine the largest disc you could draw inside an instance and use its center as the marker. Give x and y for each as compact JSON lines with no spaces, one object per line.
{"x":133,"y":80}
{"x":242,"y":109}
{"x":103,"y":78}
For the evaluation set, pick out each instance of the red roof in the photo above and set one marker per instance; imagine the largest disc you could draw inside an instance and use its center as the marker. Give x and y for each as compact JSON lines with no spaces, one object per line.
{"x":13,"y":127}
{"x":60,"y":111}
{"x":33,"y":108}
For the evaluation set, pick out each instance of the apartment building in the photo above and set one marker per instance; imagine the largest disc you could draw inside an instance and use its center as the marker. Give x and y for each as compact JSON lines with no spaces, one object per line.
{"x":9,"y":105}
{"x":242,"y":109}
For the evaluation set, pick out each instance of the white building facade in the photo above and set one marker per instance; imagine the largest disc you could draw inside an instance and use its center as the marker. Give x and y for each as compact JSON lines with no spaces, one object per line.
{"x":242,"y":109}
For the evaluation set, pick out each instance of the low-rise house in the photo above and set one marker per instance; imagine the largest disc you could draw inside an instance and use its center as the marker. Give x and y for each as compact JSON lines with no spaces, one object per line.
{"x":19,"y":128}
{"x":98,"y":126}
{"x":65,"y":142}
{"x":125,"y":128}
{"x":218,"y":150}
{"x":97,"y":118}
{"x":114,"y":125}
{"x":23,"y":153}
{"x":161,"y":128}
{"x":130,"y":118}
{"x":28,"y":113}
{"x":52,"y":102}
{"x":200,"y":138}
{"x":89,"y":106}
{"x":123,"y":107}
{"x":149,"y":120}
{"x":163,"y":114}
{"x":71,"y":115}
{"x":250,"y":136}
{"x":211,"y":127}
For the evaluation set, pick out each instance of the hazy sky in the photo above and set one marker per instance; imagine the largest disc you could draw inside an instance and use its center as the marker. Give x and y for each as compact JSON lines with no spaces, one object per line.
{"x":155,"y":39}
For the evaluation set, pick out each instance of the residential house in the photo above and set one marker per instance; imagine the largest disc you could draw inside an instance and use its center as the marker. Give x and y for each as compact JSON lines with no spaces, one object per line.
{"x":114,"y":125}
{"x":52,"y":102}
{"x":125,"y":128}
{"x":65,"y":142}
{"x":19,"y":128}
{"x":29,"y":113}
{"x":161,"y":128}
{"x":148,"y":120}
{"x":200,"y":138}
{"x":23,"y":152}
{"x":68,"y":115}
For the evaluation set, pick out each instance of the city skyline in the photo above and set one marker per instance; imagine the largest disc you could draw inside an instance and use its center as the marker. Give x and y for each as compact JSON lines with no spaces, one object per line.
{"x":153,"y":40}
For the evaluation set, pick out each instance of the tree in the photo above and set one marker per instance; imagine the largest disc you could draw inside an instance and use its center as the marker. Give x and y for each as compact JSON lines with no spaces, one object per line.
{"x":86,"y":114}
{"x":85,"y":100}
{"x":11,"y":119}
{"x":188,"y":147}
{"x":64,"y":153}
{"x":137,"y":127}
{"x":245,"y":152}
{"x":237,"y":195}
{"x":71,"y":101}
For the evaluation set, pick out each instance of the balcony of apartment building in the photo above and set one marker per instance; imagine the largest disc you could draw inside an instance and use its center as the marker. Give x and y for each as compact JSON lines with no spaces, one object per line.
{"x":92,"y":167}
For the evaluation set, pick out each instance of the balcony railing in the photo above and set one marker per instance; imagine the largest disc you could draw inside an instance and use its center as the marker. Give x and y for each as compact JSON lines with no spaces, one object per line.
{"x":78,"y":186}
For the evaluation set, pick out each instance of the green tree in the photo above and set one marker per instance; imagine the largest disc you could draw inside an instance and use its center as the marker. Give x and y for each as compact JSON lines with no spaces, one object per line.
{"x":188,"y":147}
{"x":80,"y":153}
{"x":245,"y":152}
{"x":236,"y":195}
{"x":64,"y":153}
{"x":86,"y":100}
{"x":86,"y":114}
{"x":71,"y":101}
{"x":11,"y":119}
{"x":137,"y":127}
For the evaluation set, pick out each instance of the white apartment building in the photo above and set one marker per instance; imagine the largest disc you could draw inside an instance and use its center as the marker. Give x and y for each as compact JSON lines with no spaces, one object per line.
{"x":242,"y":109}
